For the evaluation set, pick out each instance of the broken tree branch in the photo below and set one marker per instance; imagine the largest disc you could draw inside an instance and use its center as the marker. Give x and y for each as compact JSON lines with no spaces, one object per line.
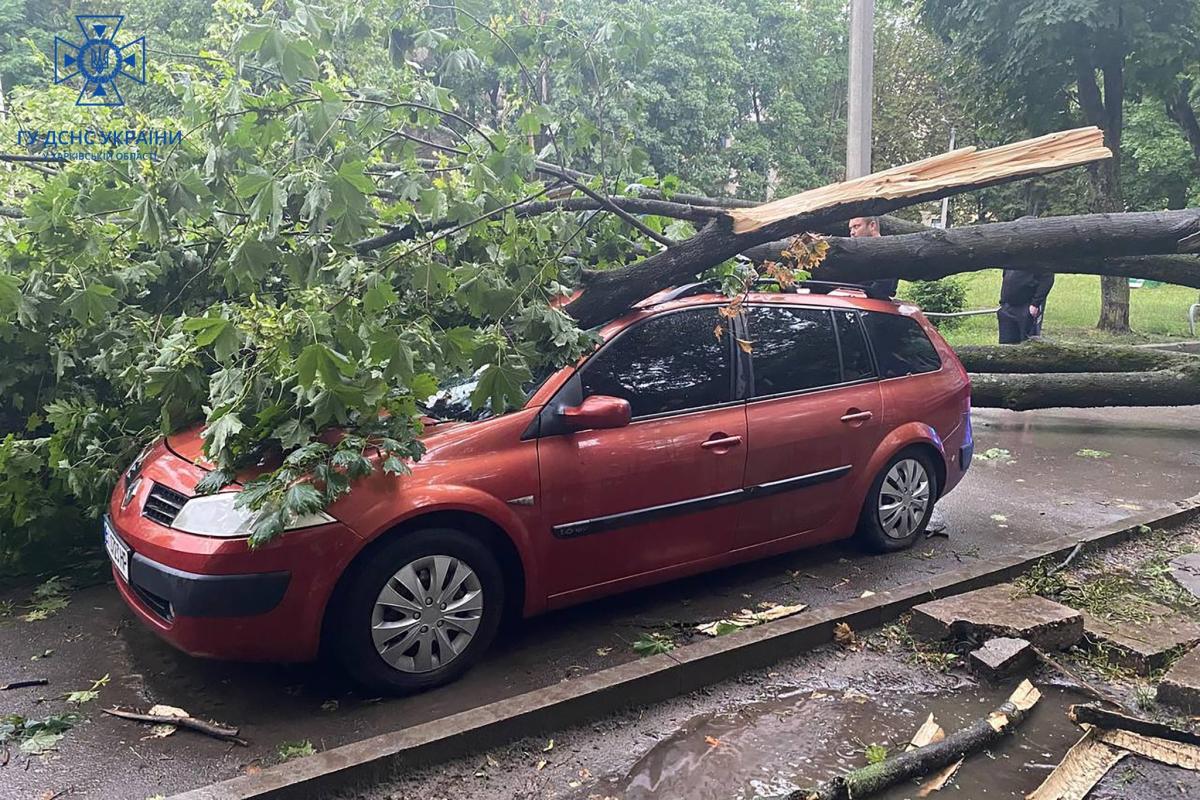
{"x":212,"y":729}
{"x":609,"y":293}
{"x":24,"y":684}
{"x":1087,"y":688}
{"x":1091,"y":715}
{"x":874,"y":778}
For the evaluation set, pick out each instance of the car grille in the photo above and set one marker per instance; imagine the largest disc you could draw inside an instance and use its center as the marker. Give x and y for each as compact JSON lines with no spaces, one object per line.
{"x":159,"y":606}
{"x":163,"y":505}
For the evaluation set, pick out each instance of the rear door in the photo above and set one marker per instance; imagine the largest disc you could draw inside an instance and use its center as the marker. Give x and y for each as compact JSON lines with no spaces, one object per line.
{"x":814,"y":417}
{"x":624,"y":503}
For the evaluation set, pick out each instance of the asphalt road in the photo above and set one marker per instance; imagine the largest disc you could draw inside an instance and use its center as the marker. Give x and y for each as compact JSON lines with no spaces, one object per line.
{"x":1042,"y":488}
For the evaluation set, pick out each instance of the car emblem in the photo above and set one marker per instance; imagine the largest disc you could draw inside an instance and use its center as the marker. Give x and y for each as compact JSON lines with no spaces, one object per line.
{"x":130,"y":491}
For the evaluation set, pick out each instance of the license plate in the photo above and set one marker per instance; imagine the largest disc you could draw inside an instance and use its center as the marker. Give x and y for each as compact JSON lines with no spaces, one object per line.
{"x":118,"y":551}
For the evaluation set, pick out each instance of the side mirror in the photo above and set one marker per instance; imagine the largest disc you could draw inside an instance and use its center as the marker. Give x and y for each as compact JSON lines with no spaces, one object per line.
{"x":596,"y":412}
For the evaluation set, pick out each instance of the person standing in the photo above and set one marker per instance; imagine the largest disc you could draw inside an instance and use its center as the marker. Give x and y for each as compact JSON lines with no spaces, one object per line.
{"x":869,"y":226}
{"x":1022,"y":304}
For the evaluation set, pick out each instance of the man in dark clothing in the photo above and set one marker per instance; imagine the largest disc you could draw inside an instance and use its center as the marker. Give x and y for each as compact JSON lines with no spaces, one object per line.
{"x":1022,"y":304}
{"x":869,"y":226}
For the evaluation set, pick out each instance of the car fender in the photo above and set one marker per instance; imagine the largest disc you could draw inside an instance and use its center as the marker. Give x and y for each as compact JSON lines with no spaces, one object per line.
{"x":906,"y":435}
{"x":515,"y":522}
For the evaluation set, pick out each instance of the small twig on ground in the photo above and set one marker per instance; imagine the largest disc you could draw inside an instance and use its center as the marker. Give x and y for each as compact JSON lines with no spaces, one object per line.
{"x":1070,"y":557}
{"x":1087,"y":688}
{"x":24,"y":684}
{"x":209,"y":728}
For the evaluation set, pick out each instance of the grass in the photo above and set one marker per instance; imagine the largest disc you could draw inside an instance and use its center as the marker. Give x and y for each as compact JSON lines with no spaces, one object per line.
{"x":1156,"y":313}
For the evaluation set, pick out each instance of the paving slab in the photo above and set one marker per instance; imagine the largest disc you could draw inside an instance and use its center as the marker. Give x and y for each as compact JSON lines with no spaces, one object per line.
{"x":1001,"y":658}
{"x":1185,"y":570}
{"x":1142,"y":646}
{"x":1000,"y":610}
{"x":1181,"y":685}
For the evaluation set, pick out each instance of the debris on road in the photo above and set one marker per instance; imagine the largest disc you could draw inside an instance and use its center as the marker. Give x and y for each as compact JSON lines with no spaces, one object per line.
{"x":1144,"y":646}
{"x":87,"y":695}
{"x":843,"y":636}
{"x":1084,"y":765}
{"x":937,"y":755}
{"x":748,"y":619}
{"x":1001,"y":610}
{"x":1100,"y":718}
{"x":927,"y":734}
{"x":1002,"y":657}
{"x":183,"y":720}
{"x":24,"y":684}
{"x":35,"y":737}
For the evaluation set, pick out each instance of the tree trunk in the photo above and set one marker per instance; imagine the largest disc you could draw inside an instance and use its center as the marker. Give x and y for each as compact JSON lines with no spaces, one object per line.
{"x":1023,"y":392}
{"x":1052,"y":244}
{"x":1038,"y":356}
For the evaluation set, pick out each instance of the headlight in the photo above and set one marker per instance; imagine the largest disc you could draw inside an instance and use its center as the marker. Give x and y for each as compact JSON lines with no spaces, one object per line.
{"x":216,"y":515}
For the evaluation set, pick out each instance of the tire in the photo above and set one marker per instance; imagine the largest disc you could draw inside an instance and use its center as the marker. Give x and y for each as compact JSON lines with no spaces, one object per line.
{"x":882,"y":532}
{"x":413,"y":645}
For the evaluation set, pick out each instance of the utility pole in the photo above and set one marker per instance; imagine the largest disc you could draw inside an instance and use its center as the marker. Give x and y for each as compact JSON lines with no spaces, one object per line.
{"x":862,"y":82}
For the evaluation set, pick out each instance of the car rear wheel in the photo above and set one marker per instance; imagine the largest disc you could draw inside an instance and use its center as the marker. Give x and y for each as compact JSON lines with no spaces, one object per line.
{"x":420,"y":610}
{"x":899,"y":503}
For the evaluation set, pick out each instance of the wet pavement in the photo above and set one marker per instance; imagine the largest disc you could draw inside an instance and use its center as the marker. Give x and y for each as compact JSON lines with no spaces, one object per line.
{"x":1133,"y":460}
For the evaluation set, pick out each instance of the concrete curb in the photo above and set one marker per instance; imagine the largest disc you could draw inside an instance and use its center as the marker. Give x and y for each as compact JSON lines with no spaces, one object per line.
{"x":644,"y":681}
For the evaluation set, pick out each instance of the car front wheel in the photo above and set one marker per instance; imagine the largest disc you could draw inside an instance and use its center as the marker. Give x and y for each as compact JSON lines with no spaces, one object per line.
{"x":899,"y":503}
{"x":420,"y":610}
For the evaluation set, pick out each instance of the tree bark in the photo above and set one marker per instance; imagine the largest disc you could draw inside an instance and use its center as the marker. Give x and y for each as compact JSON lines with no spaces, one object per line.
{"x":1052,"y":244}
{"x":1039,"y":357}
{"x":1024,"y":392}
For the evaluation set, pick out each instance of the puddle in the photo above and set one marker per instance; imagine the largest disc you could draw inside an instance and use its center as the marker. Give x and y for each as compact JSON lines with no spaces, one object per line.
{"x":803,"y":737}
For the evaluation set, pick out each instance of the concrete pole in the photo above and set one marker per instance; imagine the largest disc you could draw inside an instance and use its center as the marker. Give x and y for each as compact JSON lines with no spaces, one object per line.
{"x":862,"y":81}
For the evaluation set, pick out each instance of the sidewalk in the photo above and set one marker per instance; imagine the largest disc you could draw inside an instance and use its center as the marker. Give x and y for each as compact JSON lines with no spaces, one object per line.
{"x":1040,"y":489}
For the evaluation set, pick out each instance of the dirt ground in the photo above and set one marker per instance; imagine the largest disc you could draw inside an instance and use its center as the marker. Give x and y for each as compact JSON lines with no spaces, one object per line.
{"x":770,"y":732}
{"x":1029,"y":484}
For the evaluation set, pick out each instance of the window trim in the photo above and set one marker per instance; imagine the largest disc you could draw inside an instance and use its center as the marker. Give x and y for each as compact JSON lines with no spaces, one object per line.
{"x":732,"y":368}
{"x":752,"y":398}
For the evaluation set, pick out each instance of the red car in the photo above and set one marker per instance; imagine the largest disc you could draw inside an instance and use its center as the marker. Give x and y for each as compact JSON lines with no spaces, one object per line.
{"x":666,"y":452}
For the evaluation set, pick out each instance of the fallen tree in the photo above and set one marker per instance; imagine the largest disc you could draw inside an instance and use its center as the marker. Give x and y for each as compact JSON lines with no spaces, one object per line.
{"x":1045,"y":375}
{"x":1052,"y":244}
{"x":606,"y":294}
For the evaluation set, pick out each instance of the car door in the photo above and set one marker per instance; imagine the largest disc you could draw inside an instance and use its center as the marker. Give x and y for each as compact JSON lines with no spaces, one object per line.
{"x":814,"y":417}
{"x":624,"y":505}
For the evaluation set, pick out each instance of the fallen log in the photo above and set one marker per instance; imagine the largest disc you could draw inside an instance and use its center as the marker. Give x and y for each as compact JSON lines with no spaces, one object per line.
{"x":1121,"y":242}
{"x":608,"y":293}
{"x":212,"y":729}
{"x":1102,"y":718}
{"x":1024,"y":392}
{"x":875,"y":778}
{"x":1044,"y":356}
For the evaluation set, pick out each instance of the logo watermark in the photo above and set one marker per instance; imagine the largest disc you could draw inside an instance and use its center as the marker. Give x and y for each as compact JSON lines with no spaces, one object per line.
{"x":100,"y":60}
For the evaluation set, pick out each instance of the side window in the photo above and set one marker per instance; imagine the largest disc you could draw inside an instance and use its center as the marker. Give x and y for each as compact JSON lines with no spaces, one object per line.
{"x":668,"y":363}
{"x":856,"y":357}
{"x":901,"y":347}
{"x":793,"y":349}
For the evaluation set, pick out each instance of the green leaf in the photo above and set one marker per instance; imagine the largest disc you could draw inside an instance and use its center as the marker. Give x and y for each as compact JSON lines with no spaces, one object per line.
{"x":93,"y":304}
{"x":499,"y":386}
{"x":10,"y":294}
{"x":380,"y":298}
{"x":207,"y":329}
{"x":218,"y":434}
{"x":40,"y":742}
{"x":317,"y":359}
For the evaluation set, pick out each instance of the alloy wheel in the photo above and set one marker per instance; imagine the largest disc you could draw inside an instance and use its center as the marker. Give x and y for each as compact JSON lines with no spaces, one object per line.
{"x":427,"y":613}
{"x":903,"y":498}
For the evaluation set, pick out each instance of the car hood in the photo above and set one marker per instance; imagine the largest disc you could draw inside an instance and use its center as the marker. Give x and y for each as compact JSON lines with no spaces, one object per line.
{"x":188,"y":444}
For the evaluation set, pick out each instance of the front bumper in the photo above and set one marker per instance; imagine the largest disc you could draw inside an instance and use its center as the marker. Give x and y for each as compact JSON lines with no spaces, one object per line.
{"x":215,"y":597}
{"x":170,"y":592}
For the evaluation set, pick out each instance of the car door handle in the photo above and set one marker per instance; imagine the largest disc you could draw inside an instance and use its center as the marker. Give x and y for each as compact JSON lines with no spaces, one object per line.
{"x":856,"y":416}
{"x":725,"y":441}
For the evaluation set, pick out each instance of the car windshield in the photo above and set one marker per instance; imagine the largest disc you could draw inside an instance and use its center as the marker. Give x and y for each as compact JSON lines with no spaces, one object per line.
{"x":453,"y":401}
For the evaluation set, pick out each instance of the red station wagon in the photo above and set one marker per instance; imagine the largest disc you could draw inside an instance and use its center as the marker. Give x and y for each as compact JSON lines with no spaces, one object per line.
{"x":664,"y":453}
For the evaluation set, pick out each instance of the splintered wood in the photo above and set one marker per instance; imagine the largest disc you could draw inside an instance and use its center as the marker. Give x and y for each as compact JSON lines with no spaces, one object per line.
{"x":1082,"y":767}
{"x":964,"y":167}
{"x":928,"y":733}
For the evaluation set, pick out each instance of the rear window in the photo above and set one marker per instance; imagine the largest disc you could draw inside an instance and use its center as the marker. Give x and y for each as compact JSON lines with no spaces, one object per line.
{"x":901,"y":346}
{"x":856,"y":356}
{"x":793,"y":349}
